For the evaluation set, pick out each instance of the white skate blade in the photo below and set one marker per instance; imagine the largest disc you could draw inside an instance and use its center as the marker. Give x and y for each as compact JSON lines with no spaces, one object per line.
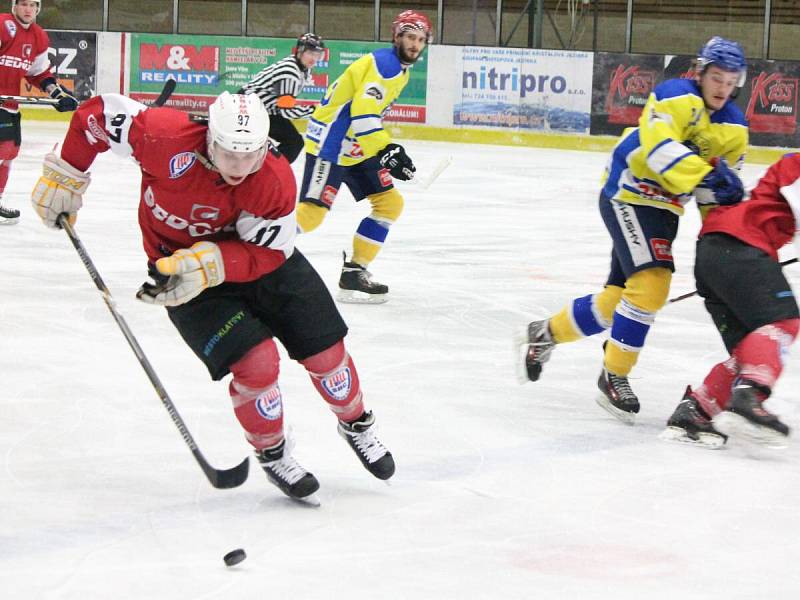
{"x":625,"y":417}
{"x":310,"y":501}
{"x":736,"y":426}
{"x":704,"y":440}
{"x":5,"y":221}
{"x":520,"y":350}
{"x":356,"y":297}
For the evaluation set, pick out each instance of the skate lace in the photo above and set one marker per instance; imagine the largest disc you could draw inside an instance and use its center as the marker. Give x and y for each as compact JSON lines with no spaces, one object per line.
{"x":621,"y":385}
{"x":287,"y":468}
{"x":368,"y":445}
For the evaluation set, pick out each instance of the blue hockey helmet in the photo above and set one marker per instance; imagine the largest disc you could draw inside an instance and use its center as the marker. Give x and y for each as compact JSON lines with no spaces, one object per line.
{"x":725,"y":54}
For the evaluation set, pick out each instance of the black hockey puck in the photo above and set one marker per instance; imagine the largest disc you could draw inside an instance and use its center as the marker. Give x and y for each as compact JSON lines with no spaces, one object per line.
{"x":234,"y":557}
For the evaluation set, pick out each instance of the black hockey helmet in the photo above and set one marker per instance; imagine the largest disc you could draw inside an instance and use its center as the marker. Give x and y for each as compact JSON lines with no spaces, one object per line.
{"x":309,"y":41}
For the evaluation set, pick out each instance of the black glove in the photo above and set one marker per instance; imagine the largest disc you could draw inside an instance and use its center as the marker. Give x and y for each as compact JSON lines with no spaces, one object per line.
{"x":66,"y":101}
{"x":724,"y":183}
{"x":394,"y":158}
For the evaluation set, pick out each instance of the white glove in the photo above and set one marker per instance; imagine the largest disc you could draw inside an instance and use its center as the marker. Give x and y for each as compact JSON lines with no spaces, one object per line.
{"x":59,"y":190}
{"x":189,"y":270}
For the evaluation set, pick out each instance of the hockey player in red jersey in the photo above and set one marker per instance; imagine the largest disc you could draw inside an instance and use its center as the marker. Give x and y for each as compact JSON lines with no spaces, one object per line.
{"x":217,"y":214}
{"x":753,"y":308}
{"x":23,"y":55}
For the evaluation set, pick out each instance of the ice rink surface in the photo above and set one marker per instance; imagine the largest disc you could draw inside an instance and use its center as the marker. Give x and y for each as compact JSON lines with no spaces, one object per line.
{"x":501,"y":491}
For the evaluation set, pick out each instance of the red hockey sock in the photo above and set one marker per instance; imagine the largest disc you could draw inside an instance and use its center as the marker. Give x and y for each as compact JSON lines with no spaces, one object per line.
{"x":256,"y":396}
{"x":334,"y":375}
{"x":5,"y":169}
{"x":761,"y":353}
{"x":715,"y":392}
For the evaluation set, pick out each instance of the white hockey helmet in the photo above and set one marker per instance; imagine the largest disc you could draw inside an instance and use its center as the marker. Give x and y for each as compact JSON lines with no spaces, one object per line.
{"x":38,"y":3}
{"x":238,"y":122}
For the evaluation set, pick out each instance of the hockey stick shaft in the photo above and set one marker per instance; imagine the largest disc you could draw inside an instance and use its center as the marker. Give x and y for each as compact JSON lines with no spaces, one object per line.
{"x":219,"y":478}
{"x":694,"y":293}
{"x":29,"y":100}
{"x":166,"y":92}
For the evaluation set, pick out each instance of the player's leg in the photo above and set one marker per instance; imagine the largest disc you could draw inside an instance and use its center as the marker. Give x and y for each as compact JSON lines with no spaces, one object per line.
{"x":285,"y":133}
{"x":368,"y":180}
{"x":321,"y":181}
{"x":642,"y":238}
{"x":305,"y":318}
{"x":764,"y":323}
{"x":10,"y":137}
{"x":221,"y":329}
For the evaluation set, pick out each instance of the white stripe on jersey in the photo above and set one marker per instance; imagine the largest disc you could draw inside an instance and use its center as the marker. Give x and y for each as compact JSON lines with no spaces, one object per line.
{"x":632,"y":230}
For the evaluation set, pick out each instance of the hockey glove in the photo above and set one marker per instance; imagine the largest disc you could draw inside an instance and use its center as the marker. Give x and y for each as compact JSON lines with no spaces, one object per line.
{"x":66,"y":101}
{"x":723,"y":183}
{"x":394,"y":158}
{"x":189,"y":271}
{"x":59,"y":190}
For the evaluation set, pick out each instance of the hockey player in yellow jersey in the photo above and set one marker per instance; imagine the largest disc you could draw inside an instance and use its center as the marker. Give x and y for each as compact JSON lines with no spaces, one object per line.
{"x":689,"y":136}
{"x":346,"y":143}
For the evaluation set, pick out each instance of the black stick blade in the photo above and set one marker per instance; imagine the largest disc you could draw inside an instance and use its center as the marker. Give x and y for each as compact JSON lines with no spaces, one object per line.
{"x":224,"y":479}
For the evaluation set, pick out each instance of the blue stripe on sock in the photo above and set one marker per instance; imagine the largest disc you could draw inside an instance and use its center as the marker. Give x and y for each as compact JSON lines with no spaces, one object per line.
{"x":584,"y":316}
{"x":628,"y":332}
{"x":373,"y":230}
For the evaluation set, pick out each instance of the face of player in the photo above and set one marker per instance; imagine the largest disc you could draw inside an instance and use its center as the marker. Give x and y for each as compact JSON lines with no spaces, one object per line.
{"x":25,"y":11}
{"x":309,"y":58}
{"x":236,"y":166}
{"x":717,"y":86}
{"x":410,"y":45}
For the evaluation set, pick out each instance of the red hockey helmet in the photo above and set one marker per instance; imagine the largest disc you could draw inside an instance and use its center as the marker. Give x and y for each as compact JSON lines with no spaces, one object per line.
{"x":411,"y":20}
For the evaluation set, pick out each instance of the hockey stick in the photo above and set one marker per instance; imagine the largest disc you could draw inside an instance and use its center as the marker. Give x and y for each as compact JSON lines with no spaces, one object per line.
{"x":219,"y":478}
{"x":166,"y":92}
{"x":694,"y":293}
{"x":426,"y":182}
{"x":29,"y":100}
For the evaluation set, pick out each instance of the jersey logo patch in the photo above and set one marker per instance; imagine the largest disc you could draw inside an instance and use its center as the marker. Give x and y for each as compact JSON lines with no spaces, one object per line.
{"x":268,"y":404}
{"x":27,"y":50}
{"x":11,"y":28}
{"x":204,"y":213}
{"x":385,"y":177}
{"x":662,"y":249}
{"x":96,"y":130}
{"x":328,"y":195}
{"x":375,"y":92}
{"x":180,"y":163}
{"x":338,"y":385}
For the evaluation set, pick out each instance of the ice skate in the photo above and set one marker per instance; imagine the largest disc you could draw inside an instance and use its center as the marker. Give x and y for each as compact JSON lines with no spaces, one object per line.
{"x":286,"y":473}
{"x":691,"y":425}
{"x":617,"y":397}
{"x":372,"y":454}
{"x":8,"y":216}
{"x":746,"y":418}
{"x":356,"y":286}
{"x":533,"y":345}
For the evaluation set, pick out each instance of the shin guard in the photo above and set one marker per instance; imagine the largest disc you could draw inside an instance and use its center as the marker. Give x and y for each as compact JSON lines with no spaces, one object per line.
{"x":335,"y":377}
{"x":256,"y":396}
{"x":762,"y":352}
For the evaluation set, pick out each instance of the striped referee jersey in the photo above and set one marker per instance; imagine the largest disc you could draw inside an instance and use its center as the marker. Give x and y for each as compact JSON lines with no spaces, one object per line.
{"x":278,"y":86}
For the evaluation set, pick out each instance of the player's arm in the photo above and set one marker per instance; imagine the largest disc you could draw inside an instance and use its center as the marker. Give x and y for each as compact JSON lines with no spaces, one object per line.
{"x":40,"y":74}
{"x":661,"y":131}
{"x":287,"y":88}
{"x":104,"y":122}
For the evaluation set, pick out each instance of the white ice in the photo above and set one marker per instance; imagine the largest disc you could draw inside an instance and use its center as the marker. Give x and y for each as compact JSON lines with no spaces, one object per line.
{"x":501,"y":491}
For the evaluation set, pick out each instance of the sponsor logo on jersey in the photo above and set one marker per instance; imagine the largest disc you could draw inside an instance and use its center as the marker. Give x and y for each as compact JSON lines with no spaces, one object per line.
{"x":375,"y":92}
{"x":194,"y":229}
{"x":180,"y":163}
{"x":11,"y":28}
{"x":222,"y":331}
{"x":338,"y":385}
{"x":203,"y":212}
{"x":269,"y":404}
{"x":385,"y":177}
{"x":96,"y":130}
{"x":15,"y":62}
{"x":662,"y":249}
{"x":328,"y":195}
{"x":27,"y":50}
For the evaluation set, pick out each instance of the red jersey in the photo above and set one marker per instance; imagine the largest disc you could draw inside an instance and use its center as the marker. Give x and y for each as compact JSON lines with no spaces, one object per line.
{"x":183,"y":199}
{"x":23,"y":54}
{"x":767,"y":220}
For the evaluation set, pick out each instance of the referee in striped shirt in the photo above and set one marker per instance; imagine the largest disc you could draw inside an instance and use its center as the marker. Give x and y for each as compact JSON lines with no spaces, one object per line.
{"x":278,"y":86}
